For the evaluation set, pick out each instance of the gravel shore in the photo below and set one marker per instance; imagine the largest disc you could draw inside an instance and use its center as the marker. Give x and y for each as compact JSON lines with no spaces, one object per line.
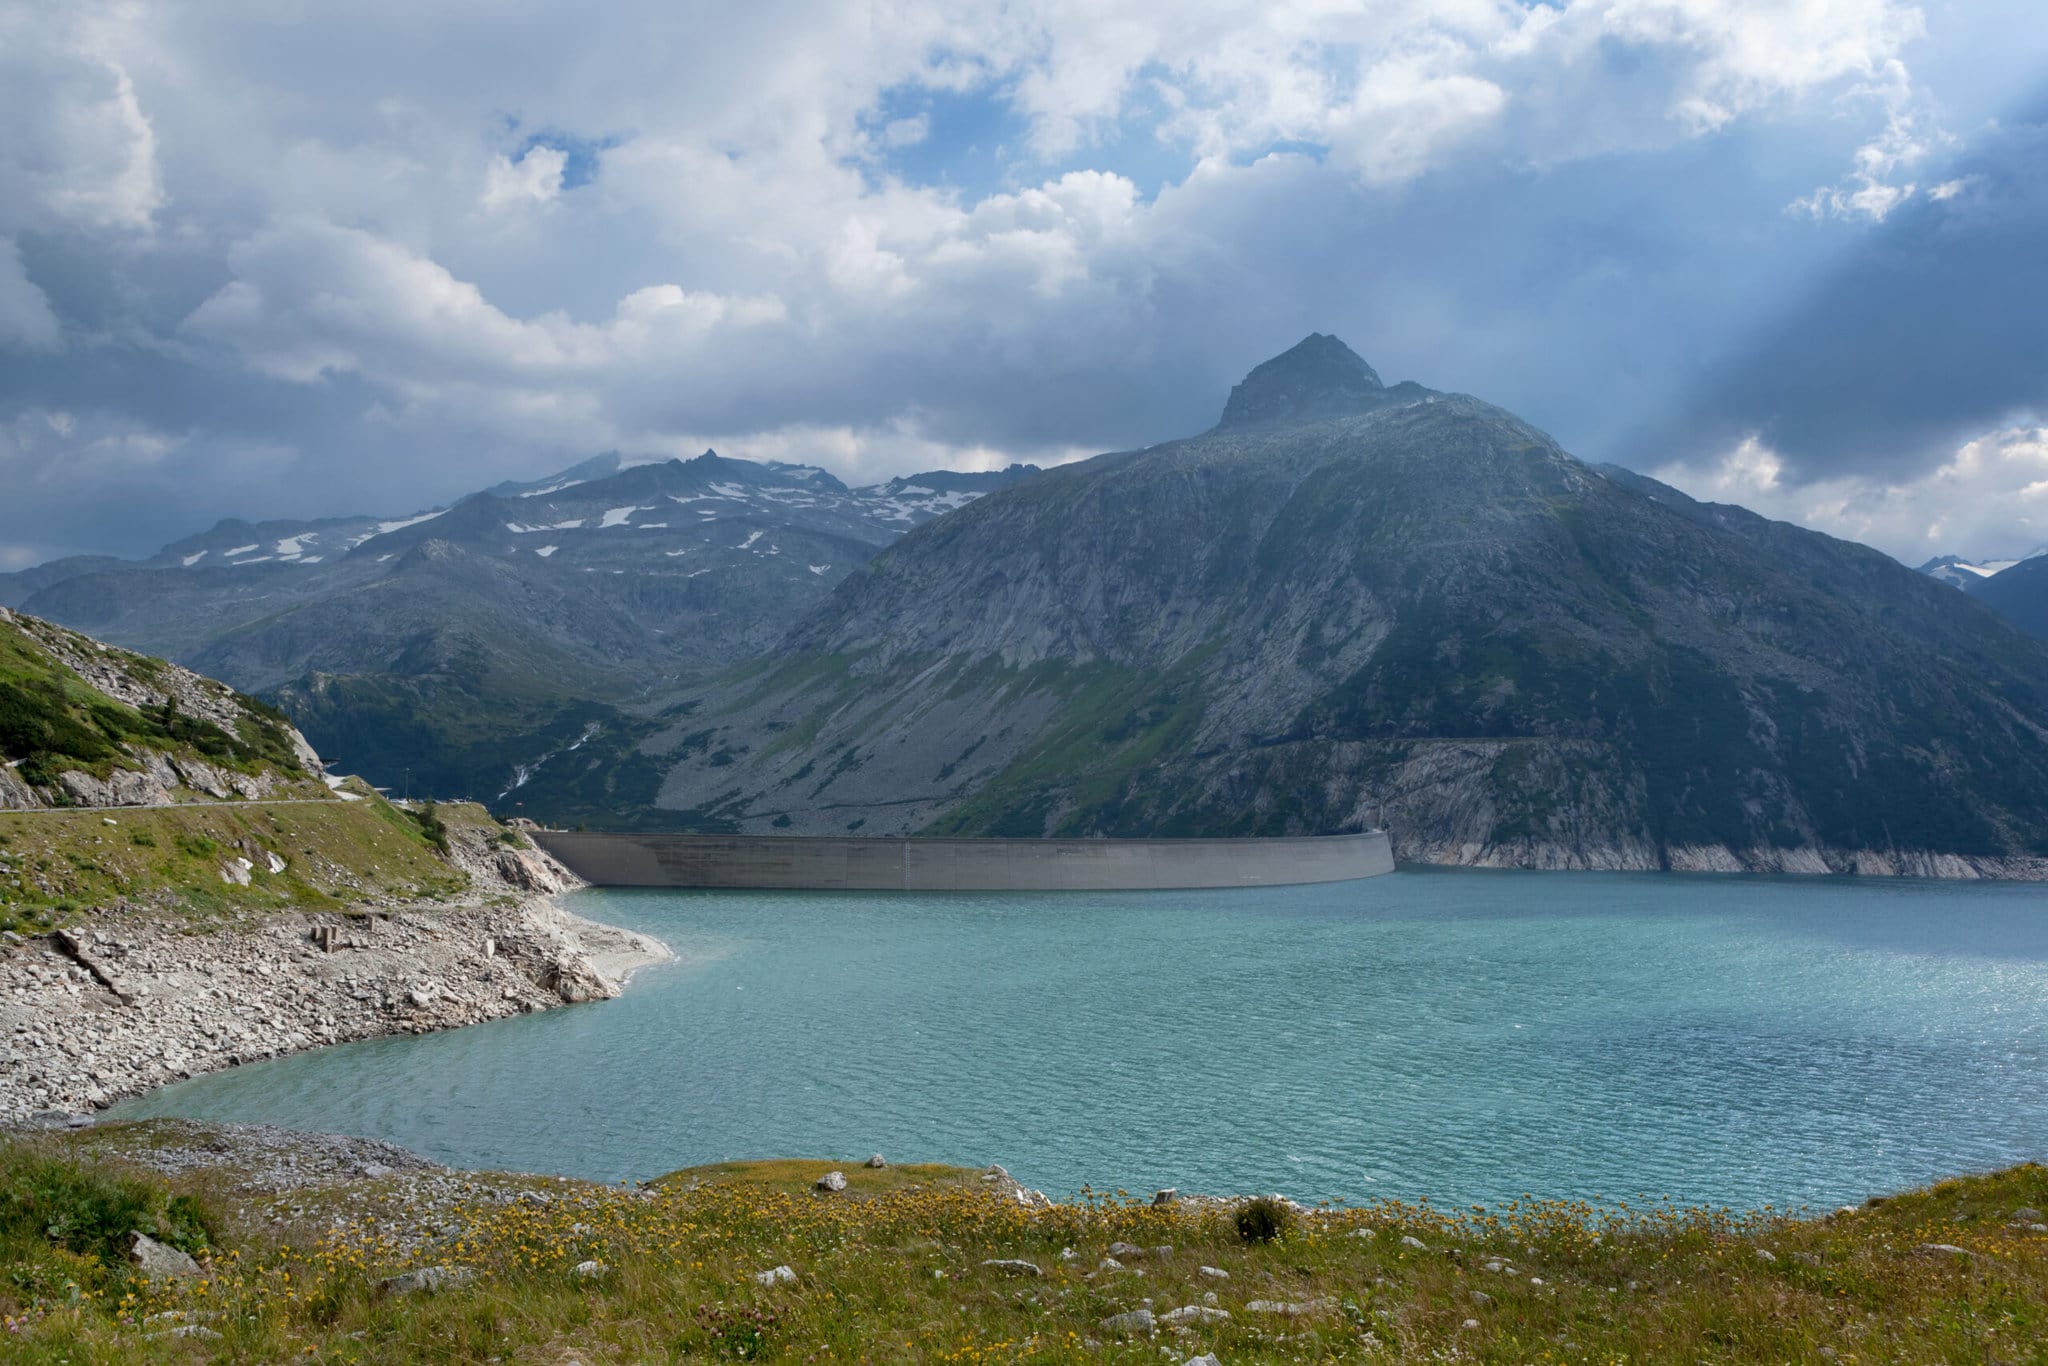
{"x":124,"y":1001}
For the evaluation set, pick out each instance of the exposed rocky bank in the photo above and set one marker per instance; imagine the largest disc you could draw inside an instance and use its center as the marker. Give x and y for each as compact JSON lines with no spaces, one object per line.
{"x":122,"y":1002}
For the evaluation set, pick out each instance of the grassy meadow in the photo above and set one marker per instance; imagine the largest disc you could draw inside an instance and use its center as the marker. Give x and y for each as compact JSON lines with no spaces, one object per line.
{"x":55,"y":865}
{"x":895,"y":1269}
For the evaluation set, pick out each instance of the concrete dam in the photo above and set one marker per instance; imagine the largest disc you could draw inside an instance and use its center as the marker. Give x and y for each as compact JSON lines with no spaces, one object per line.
{"x":814,"y":863}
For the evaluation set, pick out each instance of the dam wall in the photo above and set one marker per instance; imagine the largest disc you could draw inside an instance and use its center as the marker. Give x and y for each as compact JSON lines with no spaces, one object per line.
{"x":812,"y":863}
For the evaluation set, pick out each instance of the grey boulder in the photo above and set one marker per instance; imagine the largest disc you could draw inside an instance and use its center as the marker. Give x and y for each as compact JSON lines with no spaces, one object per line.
{"x":153,"y":1258}
{"x":427,"y":1278}
{"x":1194,"y":1313}
{"x":1130,"y":1324}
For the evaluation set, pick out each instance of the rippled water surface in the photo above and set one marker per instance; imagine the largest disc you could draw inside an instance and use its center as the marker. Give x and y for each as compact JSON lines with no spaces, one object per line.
{"x":1461,"y":1036}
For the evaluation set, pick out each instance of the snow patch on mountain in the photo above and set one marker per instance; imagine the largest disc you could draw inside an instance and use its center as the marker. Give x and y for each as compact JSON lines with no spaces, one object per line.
{"x":386,"y":528}
{"x":1958,"y":572}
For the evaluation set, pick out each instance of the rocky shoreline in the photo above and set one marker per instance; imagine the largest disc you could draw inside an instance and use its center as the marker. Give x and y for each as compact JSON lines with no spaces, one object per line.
{"x":123,"y":1002}
{"x":1536,"y":855}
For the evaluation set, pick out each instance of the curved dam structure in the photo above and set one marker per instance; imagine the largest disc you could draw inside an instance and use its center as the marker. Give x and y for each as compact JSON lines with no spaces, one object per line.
{"x":811,"y":863}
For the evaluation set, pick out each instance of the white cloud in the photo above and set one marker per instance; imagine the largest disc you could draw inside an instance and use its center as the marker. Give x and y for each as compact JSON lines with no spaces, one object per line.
{"x":873,"y":454}
{"x":535,"y":178}
{"x":1395,"y":87}
{"x":311,"y":300}
{"x":79,"y":151}
{"x":1872,"y":189}
{"x":1988,"y":501}
{"x":900,"y":133}
{"x":1743,"y":56}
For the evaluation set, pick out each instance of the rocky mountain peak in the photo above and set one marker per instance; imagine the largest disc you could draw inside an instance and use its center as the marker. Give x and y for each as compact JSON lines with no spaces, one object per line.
{"x":1320,"y":377}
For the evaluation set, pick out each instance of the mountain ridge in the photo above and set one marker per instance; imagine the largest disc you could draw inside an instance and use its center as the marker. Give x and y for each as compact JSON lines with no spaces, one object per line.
{"x":454,"y":650}
{"x":1426,"y":612}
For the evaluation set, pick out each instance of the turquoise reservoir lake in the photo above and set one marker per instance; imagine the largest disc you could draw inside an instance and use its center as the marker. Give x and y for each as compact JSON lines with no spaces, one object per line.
{"x":1464,"y":1036}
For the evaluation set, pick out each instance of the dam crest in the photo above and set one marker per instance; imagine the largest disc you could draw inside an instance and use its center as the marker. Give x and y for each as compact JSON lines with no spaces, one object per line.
{"x":829,"y":863}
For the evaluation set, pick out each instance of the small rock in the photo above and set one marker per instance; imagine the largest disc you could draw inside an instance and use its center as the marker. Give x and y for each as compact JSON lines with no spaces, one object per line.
{"x":1068,"y":1254}
{"x":1011,"y":1266}
{"x":877,"y":1162}
{"x":153,"y":1258}
{"x":1495,"y":1265}
{"x":1127,"y":1251}
{"x":995,"y":1173}
{"x":1764,"y":1254}
{"x":1942,"y":1249}
{"x":1287,"y":1309}
{"x":1130,"y":1324}
{"x":426,"y":1278}
{"x":1535,"y":1280}
{"x":1214,"y":1273}
{"x":1410,"y":1240}
{"x":776,"y":1275}
{"x":832,"y":1181}
{"x":1109,"y":1264}
{"x":1161,"y":1199}
{"x":1471,"y":1323}
{"x":1481,"y":1298}
{"x":1205,"y":1359}
{"x":2026,"y":1214}
{"x":589,"y":1271}
{"x":1194,"y":1313}
{"x":1365,"y":1233}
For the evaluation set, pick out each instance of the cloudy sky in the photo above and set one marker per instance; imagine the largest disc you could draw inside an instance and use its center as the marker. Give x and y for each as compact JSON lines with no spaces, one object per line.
{"x":276,"y":258}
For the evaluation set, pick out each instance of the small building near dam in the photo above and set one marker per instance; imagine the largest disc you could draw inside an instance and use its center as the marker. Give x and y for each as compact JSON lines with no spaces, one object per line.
{"x":813,"y":863}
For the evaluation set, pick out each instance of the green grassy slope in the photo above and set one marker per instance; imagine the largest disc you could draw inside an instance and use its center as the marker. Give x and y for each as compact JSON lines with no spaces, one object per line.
{"x":55,"y":864}
{"x":53,"y":720}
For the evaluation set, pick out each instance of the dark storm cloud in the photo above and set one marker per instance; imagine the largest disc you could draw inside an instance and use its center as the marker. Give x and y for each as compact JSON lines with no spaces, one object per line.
{"x":1932,"y":330}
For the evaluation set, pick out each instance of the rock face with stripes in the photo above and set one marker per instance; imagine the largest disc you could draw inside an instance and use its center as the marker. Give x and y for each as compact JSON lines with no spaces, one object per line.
{"x":1352,"y":604}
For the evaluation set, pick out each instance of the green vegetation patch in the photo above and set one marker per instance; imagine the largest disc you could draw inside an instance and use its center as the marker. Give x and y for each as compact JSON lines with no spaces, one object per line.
{"x":65,"y":1225}
{"x":799,"y":1177}
{"x":52,"y":721}
{"x":1093,"y":769}
{"x":460,"y":735}
{"x":932,"y":1265}
{"x":56,"y":864}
